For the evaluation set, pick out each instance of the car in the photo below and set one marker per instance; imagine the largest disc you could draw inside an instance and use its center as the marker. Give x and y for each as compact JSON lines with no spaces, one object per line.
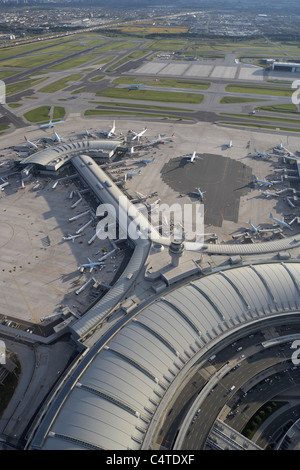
{"x":240,"y":348}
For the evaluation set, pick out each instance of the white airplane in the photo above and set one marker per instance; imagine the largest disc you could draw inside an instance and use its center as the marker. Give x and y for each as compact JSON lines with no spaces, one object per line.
{"x":147,"y":160}
{"x":87,"y":133}
{"x":280,"y":222}
{"x":200,"y":193}
{"x":290,"y":203}
{"x":263,"y":182}
{"x":138,"y":135}
{"x":109,"y":133}
{"x":32,"y":144}
{"x":140,"y":195}
{"x":92,"y":265}
{"x":107,"y":255}
{"x":262,"y":154}
{"x":284,"y":149}
{"x":268,"y":194}
{"x":50,"y":124}
{"x":71,"y":237}
{"x":135,"y":86}
{"x":132,"y":173}
{"x":254,"y":229}
{"x":57,"y":138}
{"x":192,"y":157}
{"x":160,"y":140}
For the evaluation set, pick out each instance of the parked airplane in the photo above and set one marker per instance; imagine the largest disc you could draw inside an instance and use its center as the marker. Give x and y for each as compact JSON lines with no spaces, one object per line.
{"x":138,"y":135}
{"x":87,"y":133}
{"x":268,"y":194}
{"x":263,"y":182}
{"x":71,"y":237}
{"x":132,"y":173}
{"x":57,"y":138}
{"x":50,"y":124}
{"x":107,"y":254}
{"x":200,"y":193}
{"x":109,"y":133}
{"x":32,"y":144}
{"x":135,"y":86}
{"x":192,"y":157}
{"x":254,"y":229}
{"x":290,"y":203}
{"x":280,"y":222}
{"x":161,"y":140}
{"x":262,"y":154}
{"x":92,"y":265}
{"x":147,"y":160}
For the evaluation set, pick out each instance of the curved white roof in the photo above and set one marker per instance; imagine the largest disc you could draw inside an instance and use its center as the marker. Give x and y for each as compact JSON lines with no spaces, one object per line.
{"x":53,"y":157}
{"x":111,"y":401}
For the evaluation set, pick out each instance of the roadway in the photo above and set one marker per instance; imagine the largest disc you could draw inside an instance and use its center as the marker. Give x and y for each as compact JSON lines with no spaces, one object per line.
{"x":236,"y":410}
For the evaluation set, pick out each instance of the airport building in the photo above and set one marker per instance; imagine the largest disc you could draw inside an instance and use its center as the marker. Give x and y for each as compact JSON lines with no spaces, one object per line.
{"x":123,"y":385}
{"x":53,"y":158}
{"x":286,"y":66}
{"x":118,"y":397}
{"x":119,"y":392}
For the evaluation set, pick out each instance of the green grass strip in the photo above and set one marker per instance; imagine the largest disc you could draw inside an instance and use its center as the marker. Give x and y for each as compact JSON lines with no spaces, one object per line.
{"x":147,"y":95}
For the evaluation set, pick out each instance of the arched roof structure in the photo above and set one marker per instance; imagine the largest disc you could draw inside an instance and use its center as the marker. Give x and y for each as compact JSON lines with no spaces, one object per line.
{"x":113,"y":399}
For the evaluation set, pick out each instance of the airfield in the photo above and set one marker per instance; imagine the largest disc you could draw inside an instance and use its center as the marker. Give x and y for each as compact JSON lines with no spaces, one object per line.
{"x":53,"y":285}
{"x":35,"y":258}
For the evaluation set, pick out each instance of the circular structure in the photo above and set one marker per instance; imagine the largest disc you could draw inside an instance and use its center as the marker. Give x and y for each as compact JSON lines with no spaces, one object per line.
{"x":124,"y":391}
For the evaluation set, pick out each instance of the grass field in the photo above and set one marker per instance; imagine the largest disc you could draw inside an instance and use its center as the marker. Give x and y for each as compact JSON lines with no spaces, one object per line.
{"x":236,"y":99}
{"x":33,"y":60}
{"x":133,"y":56}
{"x":260,"y":90}
{"x":280,"y":108}
{"x":17,"y":87}
{"x":167,"y":82}
{"x":74,"y":62}
{"x":6,"y":73}
{"x":59,"y":112}
{"x":60,"y":84}
{"x":165,"y":96}
{"x":117,"y":45}
{"x":40,"y":114}
{"x":143,"y":106}
{"x":99,"y":112}
{"x":262,"y":118}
